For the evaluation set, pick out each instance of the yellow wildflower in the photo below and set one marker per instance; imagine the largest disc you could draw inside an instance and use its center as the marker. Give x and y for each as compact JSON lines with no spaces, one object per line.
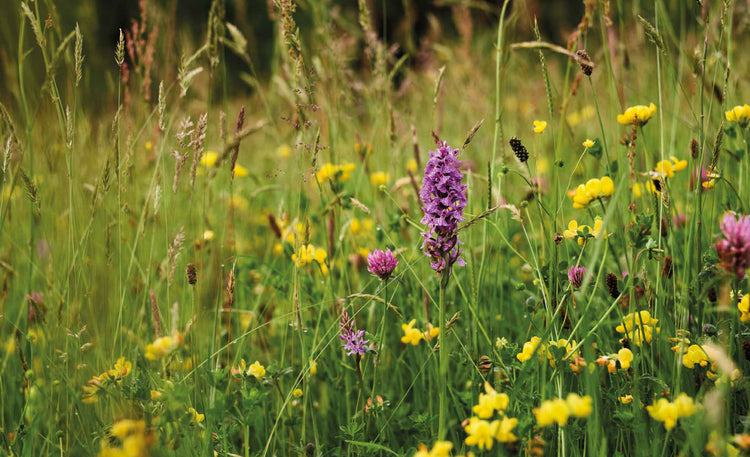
{"x":240,"y":171}
{"x":685,"y":405}
{"x":505,"y":430}
{"x":637,"y":190}
{"x":637,"y":115}
{"x":284,"y":151}
{"x":333,"y":172}
{"x":588,"y":143}
{"x":539,"y":126}
{"x":490,"y":402}
{"x":379,"y":178}
{"x":552,"y":411}
{"x":481,"y":433}
{"x":695,"y":355}
{"x":593,"y":189}
{"x":412,"y":165}
{"x":195,"y":416}
{"x":257,"y":370}
{"x":149,"y":145}
{"x":625,"y":356}
{"x":163,"y":346}
{"x":664,"y":411}
{"x":528,"y":349}
{"x":626,"y":399}
{"x":209,"y":159}
{"x":297,"y":393}
{"x":744,"y":307}
{"x":313,"y":367}
{"x":431,"y":332}
{"x":439,"y":449}
{"x":155,"y":395}
{"x":579,"y":406}
{"x":411,"y":335}
{"x":638,"y":327}
{"x":739,"y":114}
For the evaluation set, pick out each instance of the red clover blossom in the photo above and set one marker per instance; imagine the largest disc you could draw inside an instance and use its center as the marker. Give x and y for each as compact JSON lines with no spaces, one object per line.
{"x":734,"y":248}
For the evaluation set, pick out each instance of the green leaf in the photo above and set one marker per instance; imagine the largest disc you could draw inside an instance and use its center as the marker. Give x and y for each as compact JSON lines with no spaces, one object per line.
{"x":596,"y":150}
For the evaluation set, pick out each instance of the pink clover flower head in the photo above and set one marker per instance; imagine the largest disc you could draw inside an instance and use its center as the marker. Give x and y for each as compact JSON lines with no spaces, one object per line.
{"x":734,"y":247}
{"x":576,"y":276}
{"x":381,"y":264}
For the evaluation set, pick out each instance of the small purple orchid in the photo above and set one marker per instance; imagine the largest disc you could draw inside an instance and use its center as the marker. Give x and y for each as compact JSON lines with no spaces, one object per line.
{"x":354,"y":341}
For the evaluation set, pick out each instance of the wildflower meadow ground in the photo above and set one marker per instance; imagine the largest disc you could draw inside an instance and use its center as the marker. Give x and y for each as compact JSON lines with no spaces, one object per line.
{"x":327,"y":228}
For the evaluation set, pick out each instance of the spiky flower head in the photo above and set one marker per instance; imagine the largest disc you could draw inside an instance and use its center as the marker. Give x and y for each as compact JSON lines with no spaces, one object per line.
{"x":444,"y":199}
{"x":611,"y":282}
{"x":381,"y":264}
{"x":734,"y":248}
{"x":522,"y":154}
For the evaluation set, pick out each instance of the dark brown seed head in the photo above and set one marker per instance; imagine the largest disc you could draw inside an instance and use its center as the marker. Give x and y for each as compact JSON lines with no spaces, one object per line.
{"x":192,"y":274}
{"x":519,"y":149}
{"x":667,"y":268}
{"x":612,"y":285}
{"x":694,"y":148}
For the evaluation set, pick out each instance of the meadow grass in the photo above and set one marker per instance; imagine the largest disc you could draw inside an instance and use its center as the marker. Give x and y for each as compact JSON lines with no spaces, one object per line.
{"x":184,"y":271}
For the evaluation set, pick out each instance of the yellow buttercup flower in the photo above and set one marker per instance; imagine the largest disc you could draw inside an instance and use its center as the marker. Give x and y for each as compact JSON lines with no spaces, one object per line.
{"x":284,"y":151}
{"x":256,"y":370}
{"x":209,"y":159}
{"x":588,"y":143}
{"x":739,"y":114}
{"x":379,"y":178}
{"x":539,"y":126}
{"x":637,"y":115}
{"x":411,"y":165}
{"x":297,"y":393}
{"x":333,"y":172}
{"x":240,"y":171}
{"x":626,"y":399}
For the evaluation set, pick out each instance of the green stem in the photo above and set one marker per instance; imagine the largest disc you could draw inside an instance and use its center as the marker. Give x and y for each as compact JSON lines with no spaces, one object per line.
{"x":443,"y":361}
